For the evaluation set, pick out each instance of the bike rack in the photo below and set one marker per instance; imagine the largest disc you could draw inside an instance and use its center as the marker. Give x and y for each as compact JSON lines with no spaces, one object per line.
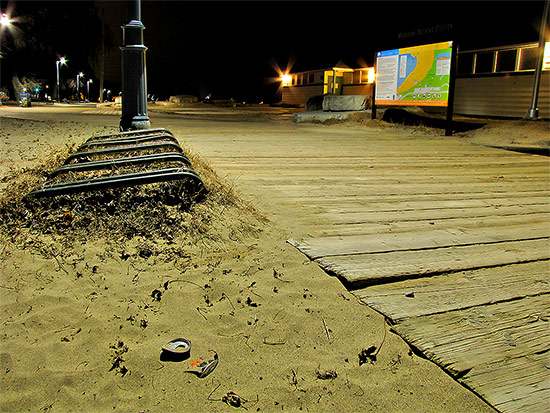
{"x":132,"y":148}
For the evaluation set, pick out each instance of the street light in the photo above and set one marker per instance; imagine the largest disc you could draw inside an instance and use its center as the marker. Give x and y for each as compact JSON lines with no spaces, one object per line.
{"x":78,"y":86}
{"x":61,"y":61}
{"x":5,"y":20}
{"x":88,"y":87}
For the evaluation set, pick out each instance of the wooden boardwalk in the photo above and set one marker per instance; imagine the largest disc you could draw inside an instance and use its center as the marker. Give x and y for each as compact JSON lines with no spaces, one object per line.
{"x":449,"y":240}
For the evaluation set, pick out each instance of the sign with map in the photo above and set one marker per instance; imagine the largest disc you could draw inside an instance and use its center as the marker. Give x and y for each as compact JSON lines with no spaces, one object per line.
{"x":416,"y":76}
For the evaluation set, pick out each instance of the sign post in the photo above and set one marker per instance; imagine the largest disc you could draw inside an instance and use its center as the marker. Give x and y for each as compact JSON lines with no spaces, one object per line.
{"x":373,"y":110}
{"x":451,"y":99}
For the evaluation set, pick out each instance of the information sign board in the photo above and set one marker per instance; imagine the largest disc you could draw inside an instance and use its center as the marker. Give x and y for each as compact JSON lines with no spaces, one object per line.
{"x":416,"y":76}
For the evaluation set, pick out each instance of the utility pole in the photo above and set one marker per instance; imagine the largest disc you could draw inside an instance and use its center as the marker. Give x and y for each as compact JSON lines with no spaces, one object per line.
{"x":134,"y":79}
{"x":102,"y":57}
{"x":533,"y":112}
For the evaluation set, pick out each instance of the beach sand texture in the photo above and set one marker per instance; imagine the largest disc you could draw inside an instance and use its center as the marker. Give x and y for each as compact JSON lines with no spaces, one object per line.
{"x":83,"y":319}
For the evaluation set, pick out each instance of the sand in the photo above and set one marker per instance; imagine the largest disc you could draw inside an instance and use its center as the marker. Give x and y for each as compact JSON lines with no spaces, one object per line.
{"x":84,"y":319}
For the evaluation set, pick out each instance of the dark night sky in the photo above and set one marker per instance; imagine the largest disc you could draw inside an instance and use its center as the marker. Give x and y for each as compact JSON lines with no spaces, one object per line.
{"x":231,"y":49}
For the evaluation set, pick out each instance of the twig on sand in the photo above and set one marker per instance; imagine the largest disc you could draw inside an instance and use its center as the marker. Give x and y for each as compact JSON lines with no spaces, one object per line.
{"x":60,"y":264}
{"x":199,"y":310}
{"x":326,"y":329}
{"x":212,"y":392}
{"x":167,"y":283}
{"x":383,"y":340}
{"x":229,"y":299}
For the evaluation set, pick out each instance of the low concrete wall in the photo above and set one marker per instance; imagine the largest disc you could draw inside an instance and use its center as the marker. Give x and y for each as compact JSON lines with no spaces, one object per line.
{"x":320,"y":116}
{"x":332,"y":103}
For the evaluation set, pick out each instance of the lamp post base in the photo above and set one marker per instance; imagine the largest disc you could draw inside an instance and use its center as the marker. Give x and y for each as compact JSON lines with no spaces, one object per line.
{"x":135,"y":123}
{"x":532,"y":114}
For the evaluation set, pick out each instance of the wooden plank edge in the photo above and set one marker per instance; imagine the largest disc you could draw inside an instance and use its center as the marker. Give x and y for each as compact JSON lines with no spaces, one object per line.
{"x":356,"y":283}
{"x":397,"y":319}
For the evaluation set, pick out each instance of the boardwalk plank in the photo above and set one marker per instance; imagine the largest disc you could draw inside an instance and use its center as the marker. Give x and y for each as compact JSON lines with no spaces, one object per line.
{"x":410,"y":205}
{"x":368,"y":269}
{"x":516,"y":385}
{"x":431,"y":214}
{"x":325,"y":229}
{"x":424,"y":296}
{"x":501,"y":351}
{"x":365,"y":244}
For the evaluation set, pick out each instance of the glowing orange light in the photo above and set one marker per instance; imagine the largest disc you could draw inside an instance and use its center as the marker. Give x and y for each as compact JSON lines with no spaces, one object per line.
{"x":286,"y":79}
{"x":370,"y":75}
{"x":546,"y":57}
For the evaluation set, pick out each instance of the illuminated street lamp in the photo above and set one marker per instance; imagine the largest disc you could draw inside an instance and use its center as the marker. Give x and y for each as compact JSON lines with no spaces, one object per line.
{"x":5,"y":20}
{"x":61,"y":61}
{"x":78,"y":86}
{"x":88,"y":87}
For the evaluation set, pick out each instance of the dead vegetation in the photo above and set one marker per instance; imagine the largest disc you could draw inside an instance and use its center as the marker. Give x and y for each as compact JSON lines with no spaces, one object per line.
{"x":164,"y":212}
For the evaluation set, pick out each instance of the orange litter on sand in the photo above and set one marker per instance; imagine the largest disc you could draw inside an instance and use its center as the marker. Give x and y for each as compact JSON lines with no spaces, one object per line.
{"x":204,"y":366}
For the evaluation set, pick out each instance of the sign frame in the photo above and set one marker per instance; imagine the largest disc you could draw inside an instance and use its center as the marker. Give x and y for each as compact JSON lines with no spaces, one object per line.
{"x":393,"y":71}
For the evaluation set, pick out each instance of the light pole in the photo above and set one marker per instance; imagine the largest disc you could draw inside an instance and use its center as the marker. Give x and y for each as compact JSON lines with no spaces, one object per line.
{"x":533,"y":112}
{"x":134,"y":79}
{"x":88,"y":87}
{"x":78,"y":86}
{"x":61,"y":61}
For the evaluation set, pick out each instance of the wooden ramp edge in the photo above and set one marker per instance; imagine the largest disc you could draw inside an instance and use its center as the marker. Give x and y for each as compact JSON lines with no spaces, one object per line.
{"x":459,"y":290}
{"x":368,"y":269}
{"x":414,"y":241}
{"x":361,"y":260}
{"x":500,"y":351}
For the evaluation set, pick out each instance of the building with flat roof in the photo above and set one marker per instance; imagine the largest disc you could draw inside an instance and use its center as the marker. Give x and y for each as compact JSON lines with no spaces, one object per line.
{"x":337,"y":80}
{"x":498,"y":81}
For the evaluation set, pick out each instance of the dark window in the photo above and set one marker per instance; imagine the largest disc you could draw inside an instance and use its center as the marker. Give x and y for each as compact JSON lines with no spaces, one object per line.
{"x":506,"y":61}
{"x":528,"y":58}
{"x":311,"y":78}
{"x":484,"y":62}
{"x":465,"y":64}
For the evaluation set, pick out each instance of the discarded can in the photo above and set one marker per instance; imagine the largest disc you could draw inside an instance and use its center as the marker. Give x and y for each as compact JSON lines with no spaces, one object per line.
{"x":178,"y":346}
{"x":204,"y":367}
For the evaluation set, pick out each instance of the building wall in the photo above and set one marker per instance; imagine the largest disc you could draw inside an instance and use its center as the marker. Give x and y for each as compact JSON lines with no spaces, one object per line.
{"x":363,"y":89}
{"x":503,"y":95}
{"x":298,"y":95}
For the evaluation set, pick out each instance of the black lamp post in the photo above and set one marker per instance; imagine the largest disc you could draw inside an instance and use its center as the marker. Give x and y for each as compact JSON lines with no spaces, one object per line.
{"x":134,"y":79}
{"x":533,"y":112}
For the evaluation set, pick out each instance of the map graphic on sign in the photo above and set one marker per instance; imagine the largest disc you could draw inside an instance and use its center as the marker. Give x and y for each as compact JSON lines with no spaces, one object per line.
{"x":414,"y":75}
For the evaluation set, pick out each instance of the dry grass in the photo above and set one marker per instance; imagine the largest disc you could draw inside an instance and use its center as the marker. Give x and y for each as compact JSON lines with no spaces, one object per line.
{"x":165,"y":215}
